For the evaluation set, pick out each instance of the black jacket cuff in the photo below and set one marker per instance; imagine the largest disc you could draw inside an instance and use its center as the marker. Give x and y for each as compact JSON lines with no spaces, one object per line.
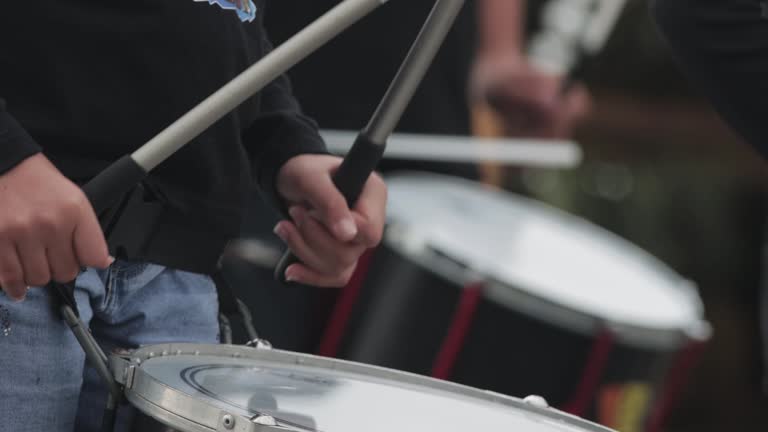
{"x":15,"y":143}
{"x":278,"y":137}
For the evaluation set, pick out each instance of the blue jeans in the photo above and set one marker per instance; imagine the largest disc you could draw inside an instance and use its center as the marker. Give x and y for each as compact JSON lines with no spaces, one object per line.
{"x":44,"y":385}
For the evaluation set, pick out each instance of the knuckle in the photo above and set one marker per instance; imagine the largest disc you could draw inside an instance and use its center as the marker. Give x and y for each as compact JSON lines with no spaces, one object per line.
{"x":16,"y":227}
{"x":37,"y":278}
{"x":333,"y":203}
{"x":72,"y":204}
{"x":46,"y":222}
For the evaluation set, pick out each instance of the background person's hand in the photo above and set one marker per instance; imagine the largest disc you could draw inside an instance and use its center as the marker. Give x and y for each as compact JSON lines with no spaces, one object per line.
{"x":530,"y":102}
{"x":324,"y":233}
{"x":48,"y":229}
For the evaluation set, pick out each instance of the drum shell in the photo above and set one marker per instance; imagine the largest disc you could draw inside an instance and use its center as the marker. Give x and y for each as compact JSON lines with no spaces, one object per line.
{"x":405,"y":309}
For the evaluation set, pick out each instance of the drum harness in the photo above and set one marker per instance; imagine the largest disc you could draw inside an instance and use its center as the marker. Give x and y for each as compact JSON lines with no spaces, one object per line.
{"x":140,"y":203}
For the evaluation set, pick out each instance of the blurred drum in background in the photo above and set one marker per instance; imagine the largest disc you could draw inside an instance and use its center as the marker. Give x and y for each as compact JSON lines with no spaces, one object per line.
{"x":501,"y":292}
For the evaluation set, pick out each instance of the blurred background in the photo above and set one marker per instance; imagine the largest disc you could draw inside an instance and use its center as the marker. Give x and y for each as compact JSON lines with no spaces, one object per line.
{"x":660,"y":170}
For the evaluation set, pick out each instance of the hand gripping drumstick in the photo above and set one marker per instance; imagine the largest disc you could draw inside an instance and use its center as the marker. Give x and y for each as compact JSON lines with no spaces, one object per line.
{"x":369,"y":146}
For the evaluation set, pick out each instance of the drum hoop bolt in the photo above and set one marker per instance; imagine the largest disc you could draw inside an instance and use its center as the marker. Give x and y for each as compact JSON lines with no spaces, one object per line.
{"x":228,"y":421}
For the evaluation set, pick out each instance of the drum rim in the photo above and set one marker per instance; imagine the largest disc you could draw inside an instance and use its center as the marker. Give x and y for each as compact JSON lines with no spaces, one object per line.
{"x":160,"y":401}
{"x":507,"y":295}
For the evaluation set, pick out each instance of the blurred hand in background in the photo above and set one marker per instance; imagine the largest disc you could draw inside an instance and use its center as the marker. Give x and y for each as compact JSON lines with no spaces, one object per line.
{"x":528,"y":101}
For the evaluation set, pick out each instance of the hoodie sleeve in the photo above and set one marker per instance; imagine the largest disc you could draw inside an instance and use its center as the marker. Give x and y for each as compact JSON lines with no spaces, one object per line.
{"x":15,"y":143}
{"x":280,"y":132}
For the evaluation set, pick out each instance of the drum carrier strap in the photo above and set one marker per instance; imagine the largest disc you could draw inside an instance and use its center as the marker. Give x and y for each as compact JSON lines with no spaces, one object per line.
{"x":142,"y":226}
{"x":231,"y":305}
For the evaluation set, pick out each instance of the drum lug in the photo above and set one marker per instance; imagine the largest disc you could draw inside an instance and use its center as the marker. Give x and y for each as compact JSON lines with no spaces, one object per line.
{"x":259,"y":344}
{"x":536,"y":401}
{"x":123,"y":368}
{"x":130,"y":373}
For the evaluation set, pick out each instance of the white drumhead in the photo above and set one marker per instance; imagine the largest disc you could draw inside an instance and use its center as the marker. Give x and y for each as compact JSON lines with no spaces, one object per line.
{"x":540,"y":250}
{"x":332,"y":398}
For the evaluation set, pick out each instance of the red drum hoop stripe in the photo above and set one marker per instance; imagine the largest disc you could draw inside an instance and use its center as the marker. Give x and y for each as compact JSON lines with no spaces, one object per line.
{"x":457,"y":332}
{"x":677,"y":377}
{"x":342,"y":311}
{"x":597,"y":360}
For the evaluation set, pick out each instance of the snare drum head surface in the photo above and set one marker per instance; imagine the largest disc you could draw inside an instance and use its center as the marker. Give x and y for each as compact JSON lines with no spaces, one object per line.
{"x":303,"y":392}
{"x":538,"y":249}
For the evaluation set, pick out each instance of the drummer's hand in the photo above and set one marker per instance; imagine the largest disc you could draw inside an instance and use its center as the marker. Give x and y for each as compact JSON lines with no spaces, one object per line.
{"x":48,"y":229}
{"x":326,"y":236}
{"x":529,"y":101}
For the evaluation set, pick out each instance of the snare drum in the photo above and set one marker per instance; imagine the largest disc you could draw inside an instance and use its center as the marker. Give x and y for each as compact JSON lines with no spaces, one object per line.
{"x":501,"y":292}
{"x":204,"y":388}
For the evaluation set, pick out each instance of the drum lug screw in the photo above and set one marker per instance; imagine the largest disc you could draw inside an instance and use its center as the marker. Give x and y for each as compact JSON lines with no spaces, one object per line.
{"x":228,"y":421}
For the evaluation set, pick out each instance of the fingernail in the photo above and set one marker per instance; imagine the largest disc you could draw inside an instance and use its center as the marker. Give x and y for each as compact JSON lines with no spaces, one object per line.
{"x":111,"y":260}
{"x":20,"y":298}
{"x":346,"y":229}
{"x":279,"y":231}
{"x":290,"y":275}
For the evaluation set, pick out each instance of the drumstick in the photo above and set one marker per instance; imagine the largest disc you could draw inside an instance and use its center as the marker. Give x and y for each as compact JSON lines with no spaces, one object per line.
{"x":551,"y":153}
{"x":369,"y":146}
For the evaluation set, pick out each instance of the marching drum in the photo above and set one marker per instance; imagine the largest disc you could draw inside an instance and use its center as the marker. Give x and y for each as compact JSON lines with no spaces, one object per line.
{"x":501,"y":292}
{"x":204,"y":388}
